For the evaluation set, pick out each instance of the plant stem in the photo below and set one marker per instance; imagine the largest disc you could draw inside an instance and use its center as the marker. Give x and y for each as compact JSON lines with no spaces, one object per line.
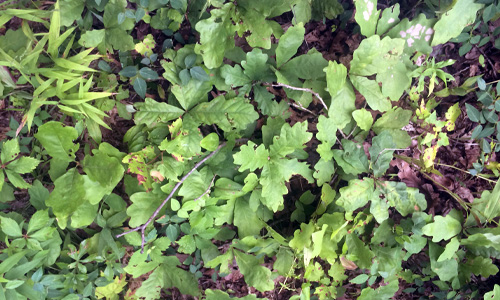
{"x":458,"y":169}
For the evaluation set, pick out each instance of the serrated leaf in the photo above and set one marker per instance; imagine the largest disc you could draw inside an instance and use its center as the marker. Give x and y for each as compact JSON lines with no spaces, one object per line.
{"x":152,"y":112}
{"x":406,"y":200}
{"x":10,"y":151}
{"x":251,"y":157}
{"x":443,"y":228}
{"x":58,"y":140}
{"x":356,"y":194}
{"x":255,"y":66}
{"x":254,"y":274}
{"x":451,"y":23}
{"x":289,"y":43}
{"x":143,"y":206}
{"x":216,"y":35}
{"x":290,"y":139}
{"x":383,"y":292}
{"x":235,"y":113}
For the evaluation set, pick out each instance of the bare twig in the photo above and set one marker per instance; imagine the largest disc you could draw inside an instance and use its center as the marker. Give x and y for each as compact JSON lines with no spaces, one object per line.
{"x":304,"y":90}
{"x":301,"y":107}
{"x":142,"y":228}
{"x":208,"y":189}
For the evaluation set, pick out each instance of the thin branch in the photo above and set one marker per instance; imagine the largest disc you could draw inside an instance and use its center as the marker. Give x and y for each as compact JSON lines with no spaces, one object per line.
{"x":142,"y":228}
{"x":301,"y":107}
{"x":208,"y":189}
{"x":304,"y":90}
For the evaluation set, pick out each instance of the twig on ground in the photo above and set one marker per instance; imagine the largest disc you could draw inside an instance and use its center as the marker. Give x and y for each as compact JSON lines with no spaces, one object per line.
{"x":142,"y":228}
{"x":304,"y":90}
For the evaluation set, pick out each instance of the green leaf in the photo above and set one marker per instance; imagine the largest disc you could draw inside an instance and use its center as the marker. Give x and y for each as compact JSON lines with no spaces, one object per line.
{"x":450,"y":250}
{"x":363,"y":118}
{"x":306,"y":66}
{"x":10,"y":227}
{"x":255,"y":66}
{"x":106,"y":171}
{"x":472,"y":112}
{"x":359,"y":250}
{"x":383,"y":292}
{"x":143,"y":206}
{"x":367,"y":16}
{"x":210,"y":142}
{"x":372,"y":93}
{"x":356,"y":194}
{"x":396,"y":118}
{"x":191,"y":94}
{"x":112,"y":290}
{"x":216,"y":35}
{"x":494,"y":294}
{"x":129,"y":71}
{"x":390,"y":17}
{"x":406,"y":200}
{"x":23,"y":165}
{"x":93,"y":38}
{"x":39,"y":220}
{"x":67,"y":196}
{"x":71,"y":11}
{"x":289,"y":43}
{"x":16,"y":180}
{"x":254,"y":274}
{"x":10,"y":151}
{"x":492,"y":209}
{"x":148,"y":74}
{"x":447,"y":269}
{"x":451,"y":23}
{"x":140,"y":87}
{"x":251,"y":157}
{"x":199,"y":73}
{"x":152,"y":112}
{"x":246,"y":219}
{"x":58,"y":140}
{"x":352,"y":159}
{"x":236,"y":113}
{"x":290,"y":139}
{"x":381,"y":153}
{"x":443,"y":228}
{"x":234,"y":76}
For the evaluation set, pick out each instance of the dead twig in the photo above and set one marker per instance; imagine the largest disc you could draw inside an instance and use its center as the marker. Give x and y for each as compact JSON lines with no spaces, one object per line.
{"x":304,"y":90}
{"x":142,"y":228}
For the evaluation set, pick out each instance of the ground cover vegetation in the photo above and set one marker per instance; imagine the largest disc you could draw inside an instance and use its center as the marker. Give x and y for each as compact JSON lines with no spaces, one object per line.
{"x":279,"y":149}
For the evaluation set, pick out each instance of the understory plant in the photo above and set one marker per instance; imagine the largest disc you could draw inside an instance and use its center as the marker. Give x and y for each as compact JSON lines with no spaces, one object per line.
{"x":246,"y":153}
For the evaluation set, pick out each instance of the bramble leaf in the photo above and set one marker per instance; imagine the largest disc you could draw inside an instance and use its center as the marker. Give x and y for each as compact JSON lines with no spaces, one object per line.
{"x":352,"y":159}
{"x":356,"y":194}
{"x":381,"y":153}
{"x":151,"y":112}
{"x":254,"y":274}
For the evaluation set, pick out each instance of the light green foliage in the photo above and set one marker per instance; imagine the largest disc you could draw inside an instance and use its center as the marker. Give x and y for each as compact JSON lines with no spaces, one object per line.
{"x":367,"y":16}
{"x":238,"y":96}
{"x":289,"y":43}
{"x":12,"y":165}
{"x":443,"y":228}
{"x":276,"y":167}
{"x":451,"y":24}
